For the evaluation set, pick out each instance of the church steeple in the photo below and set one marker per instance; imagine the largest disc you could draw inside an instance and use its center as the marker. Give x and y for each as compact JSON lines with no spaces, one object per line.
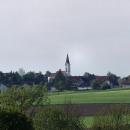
{"x":67,"y":66}
{"x":67,"y":59}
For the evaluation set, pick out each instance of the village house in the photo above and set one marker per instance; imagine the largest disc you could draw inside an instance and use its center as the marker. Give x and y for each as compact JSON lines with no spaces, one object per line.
{"x":125,"y":82}
{"x":78,"y":82}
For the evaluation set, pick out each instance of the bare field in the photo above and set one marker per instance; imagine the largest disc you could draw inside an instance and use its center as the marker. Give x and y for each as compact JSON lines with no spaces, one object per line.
{"x":88,"y":109}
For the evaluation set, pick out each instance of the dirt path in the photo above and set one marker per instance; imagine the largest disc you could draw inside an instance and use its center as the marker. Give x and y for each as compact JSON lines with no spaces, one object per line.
{"x":87,"y":109}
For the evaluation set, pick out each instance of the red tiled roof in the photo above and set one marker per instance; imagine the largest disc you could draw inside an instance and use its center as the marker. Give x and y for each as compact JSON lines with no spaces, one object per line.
{"x":126,"y":81}
{"x":101,"y":78}
{"x":76,"y":77}
{"x":54,"y":74}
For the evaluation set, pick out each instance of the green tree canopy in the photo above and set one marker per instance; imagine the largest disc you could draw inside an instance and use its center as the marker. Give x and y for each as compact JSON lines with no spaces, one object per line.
{"x":23,"y":98}
{"x":60,"y":81}
{"x":113,"y":79}
{"x":95,"y":85}
{"x":14,"y":121}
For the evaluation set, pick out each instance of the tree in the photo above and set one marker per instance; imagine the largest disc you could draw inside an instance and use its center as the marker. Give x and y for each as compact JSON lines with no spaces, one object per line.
{"x":68,"y":83}
{"x":113,"y":79}
{"x":29,"y":78}
{"x":60,"y":81}
{"x":34,"y":78}
{"x":12,"y":78}
{"x":48,"y":73}
{"x":16,"y":79}
{"x":14,"y":121}
{"x":2,"y":77}
{"x":105,"y":85}
{"x":39,"y":78}
{"x":89,"y":78}
{"x":21,"y":72}
{"x":23,"y":98}
{"x":95,"y":85}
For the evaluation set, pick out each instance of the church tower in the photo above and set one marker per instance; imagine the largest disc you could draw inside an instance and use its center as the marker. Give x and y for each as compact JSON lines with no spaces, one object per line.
{"x":67,"y":66}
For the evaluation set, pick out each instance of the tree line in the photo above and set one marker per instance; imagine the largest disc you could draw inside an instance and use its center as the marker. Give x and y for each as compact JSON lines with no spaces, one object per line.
{"x":60,"y":82}
{"x":14,"y":78}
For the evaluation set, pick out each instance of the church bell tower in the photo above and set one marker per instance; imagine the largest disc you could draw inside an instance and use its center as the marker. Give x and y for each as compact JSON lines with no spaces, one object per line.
{"x":67,"y":66}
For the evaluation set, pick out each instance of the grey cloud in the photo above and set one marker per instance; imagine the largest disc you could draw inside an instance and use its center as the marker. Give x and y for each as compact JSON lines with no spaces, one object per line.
{"x":37,"y":34}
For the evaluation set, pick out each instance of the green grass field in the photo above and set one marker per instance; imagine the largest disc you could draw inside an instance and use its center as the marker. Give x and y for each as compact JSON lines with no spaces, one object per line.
{"x":88,"y":121}
{"x":106,"y":96}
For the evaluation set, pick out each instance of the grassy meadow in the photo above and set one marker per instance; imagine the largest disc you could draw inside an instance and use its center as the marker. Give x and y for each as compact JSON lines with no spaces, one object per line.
{"x":82,"y":97}
{"x":88,"y":121}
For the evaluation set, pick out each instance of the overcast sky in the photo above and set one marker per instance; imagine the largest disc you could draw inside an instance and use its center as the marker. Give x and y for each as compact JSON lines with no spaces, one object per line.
{"x":37,"y":35}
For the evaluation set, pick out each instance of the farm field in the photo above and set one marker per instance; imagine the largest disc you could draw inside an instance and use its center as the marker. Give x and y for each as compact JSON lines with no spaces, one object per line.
{"x":85,"y":97}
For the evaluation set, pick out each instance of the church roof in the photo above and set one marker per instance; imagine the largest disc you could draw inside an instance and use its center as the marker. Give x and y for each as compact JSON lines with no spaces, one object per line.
{"x":101,"y":78}
{"x":54,"y":74}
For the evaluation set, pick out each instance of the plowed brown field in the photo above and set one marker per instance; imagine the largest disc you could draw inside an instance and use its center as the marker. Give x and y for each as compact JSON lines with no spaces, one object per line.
{"x":87,"y":109}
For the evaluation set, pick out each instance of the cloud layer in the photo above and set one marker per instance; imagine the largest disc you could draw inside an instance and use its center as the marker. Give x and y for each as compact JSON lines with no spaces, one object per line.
{"x":37,"y":35}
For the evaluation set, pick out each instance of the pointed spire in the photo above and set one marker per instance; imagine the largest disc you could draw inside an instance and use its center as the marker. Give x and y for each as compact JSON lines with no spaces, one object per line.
{"x":67,"y":59}
{"x":67,"y":66}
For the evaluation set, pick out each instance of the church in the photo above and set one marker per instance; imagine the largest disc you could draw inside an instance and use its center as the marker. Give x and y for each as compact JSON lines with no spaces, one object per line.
{"x":77,"y":82}
{"x":66,"y":73}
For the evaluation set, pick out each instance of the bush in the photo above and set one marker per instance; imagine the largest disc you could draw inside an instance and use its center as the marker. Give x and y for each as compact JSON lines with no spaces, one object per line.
{"x":105,"y":85}
{"x":116,"y":118}
{"x":95,"y":85}
{"x":52,"y":119}
{"x":23,"y":98}
{"x":14,"y":121}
